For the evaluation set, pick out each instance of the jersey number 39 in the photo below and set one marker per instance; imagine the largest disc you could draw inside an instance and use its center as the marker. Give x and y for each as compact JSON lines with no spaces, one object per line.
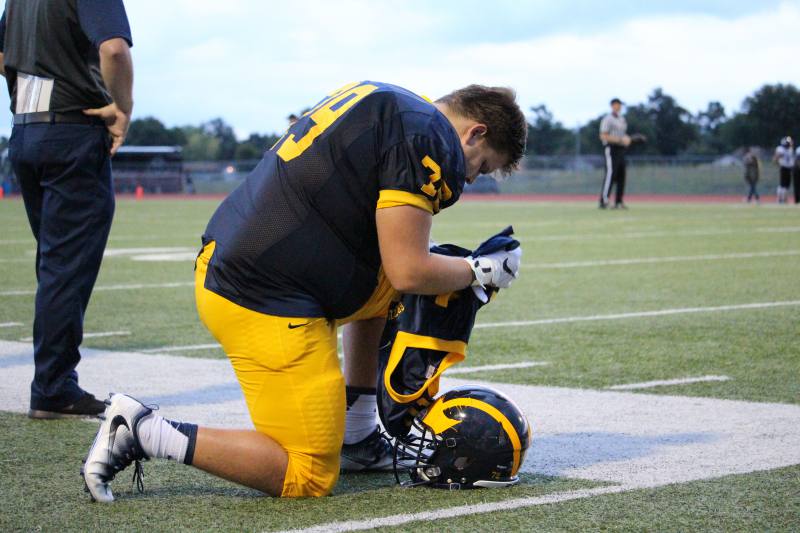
{"x":323,"y":115}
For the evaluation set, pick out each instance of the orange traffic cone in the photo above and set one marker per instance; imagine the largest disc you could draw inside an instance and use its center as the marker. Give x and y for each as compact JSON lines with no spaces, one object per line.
{"x":2,"y":192}
{"x":139,"y":192}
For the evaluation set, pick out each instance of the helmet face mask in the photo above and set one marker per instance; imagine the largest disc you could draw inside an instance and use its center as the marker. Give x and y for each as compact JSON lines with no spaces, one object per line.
{"x":470,"y":437}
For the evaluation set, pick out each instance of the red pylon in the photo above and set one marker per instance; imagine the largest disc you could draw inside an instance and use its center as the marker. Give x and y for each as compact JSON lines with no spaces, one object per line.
{"x":139,"y":192}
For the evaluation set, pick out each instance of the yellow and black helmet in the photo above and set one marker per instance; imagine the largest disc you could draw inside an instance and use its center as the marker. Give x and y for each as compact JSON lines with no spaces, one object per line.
{"x":469,"y":437}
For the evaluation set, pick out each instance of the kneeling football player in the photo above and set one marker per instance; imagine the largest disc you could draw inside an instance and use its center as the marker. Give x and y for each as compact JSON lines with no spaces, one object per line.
{"x":332,"y":223}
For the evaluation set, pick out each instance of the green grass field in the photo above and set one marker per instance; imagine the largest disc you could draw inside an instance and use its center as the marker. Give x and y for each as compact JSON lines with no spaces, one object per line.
{"x":606,"y":298}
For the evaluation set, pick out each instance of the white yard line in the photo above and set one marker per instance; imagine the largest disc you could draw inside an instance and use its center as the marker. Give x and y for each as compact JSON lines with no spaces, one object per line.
{"x":120,"y":287}
{"x":666,"y":382}
{"x":189,"y":347}
{"x":462,"y":510}
{"x":641,"y":314}
{"x":10,"y":324}
{"x":117,"y":252}
{"x":643,"y":234}
{"x":166,"y":257}
{"x":484,"y":368}
{"x":667,"y":259}
{"x":790,"y":229}
{"x":96,"y":335}
{"x":106,"y":334}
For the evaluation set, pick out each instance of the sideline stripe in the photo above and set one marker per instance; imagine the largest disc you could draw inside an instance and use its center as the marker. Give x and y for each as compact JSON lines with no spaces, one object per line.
{"x":10,"y":324}
{"x":664,"y":382}
{"x":462,"y":510}
{"x":667,"y":259}
{"x":640,"y":234}
{"x":620,"y":316}
{"x":92,"y":335}
{"x":120,"y":287}
{"x":484,"y":368}
{"x":181,"y":348}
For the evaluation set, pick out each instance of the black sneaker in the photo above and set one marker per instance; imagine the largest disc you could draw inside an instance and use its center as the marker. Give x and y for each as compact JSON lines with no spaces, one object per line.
{"x":620,"y":205}
{"x":373,"y":454}
{"x":88,"y":405}
{"x":603,"y":205}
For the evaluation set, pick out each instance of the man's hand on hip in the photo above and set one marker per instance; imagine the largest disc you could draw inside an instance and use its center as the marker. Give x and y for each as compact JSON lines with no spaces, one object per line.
{"x":116,"y":121}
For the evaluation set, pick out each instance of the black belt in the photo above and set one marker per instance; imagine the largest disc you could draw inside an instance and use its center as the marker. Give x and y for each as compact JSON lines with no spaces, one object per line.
{"x":51,"y":117}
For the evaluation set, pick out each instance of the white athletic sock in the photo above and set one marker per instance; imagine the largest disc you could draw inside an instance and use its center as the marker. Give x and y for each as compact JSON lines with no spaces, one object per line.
{"x":165,"y":439}
{"x":361,"y":418}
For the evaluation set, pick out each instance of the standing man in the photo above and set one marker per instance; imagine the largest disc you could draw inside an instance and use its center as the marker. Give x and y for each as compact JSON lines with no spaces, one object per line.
{"x":613,"y":133}
{"x":785,"y":156}
{"x":752,"y":173}
{"x":70,"y":76}
{"x":334,"y":220}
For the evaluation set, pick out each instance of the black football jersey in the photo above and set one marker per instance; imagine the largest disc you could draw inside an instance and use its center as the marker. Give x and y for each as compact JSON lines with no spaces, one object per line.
{"x":426,"y":335}
{"x":298,"y":237}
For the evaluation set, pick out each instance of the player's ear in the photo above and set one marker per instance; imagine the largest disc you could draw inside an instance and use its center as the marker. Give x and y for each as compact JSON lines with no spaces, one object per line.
{"x":476,"y":134}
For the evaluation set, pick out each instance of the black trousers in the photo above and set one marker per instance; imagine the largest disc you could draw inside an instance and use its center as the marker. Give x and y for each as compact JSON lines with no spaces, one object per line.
{"x":615,"y":174}
{"x":64,"y":172}
{"x":797,"y":185}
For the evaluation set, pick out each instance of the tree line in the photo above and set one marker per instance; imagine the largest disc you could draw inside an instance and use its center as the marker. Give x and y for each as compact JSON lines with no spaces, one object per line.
{"x":210,"y":141}
{"x":764,"y":117}
{"x":767,"y":115}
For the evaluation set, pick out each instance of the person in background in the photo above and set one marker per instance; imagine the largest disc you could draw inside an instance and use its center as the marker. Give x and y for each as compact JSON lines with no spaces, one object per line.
{"x":614,"y":135}
{"x":752,"y":173}
{"x":785,"y":157}
{"x":70,"y":77}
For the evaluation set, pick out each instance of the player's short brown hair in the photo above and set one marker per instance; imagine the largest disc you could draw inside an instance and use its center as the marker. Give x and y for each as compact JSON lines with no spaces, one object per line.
{"x":507,"y":128}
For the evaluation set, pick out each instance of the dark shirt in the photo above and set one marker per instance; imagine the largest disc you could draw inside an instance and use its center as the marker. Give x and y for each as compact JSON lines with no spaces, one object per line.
{"x":59,"y":40}
{"x":298,"y":237}
{"x":751,"y":168}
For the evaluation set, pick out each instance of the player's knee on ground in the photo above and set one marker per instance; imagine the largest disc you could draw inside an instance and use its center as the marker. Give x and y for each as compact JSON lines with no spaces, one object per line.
{"x":310,"y":475}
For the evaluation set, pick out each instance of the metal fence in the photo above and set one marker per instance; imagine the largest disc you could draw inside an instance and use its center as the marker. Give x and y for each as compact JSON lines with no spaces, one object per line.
{"x":538,"y":175}
{"x":645,"y":174}
{"x":563,"y":175}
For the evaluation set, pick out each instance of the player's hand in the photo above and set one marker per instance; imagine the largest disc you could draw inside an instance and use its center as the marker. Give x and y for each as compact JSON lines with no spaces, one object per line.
{"x":497,"y":269}
{"x":626,"y":140}
{"x":116,"y":121}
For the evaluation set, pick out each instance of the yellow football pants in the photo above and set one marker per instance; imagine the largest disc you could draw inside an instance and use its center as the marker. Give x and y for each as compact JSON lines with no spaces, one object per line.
{"x":289,"y":372}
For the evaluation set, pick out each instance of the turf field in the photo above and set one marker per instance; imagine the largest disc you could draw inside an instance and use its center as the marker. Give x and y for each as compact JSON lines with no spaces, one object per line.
{"x":655,"y":350}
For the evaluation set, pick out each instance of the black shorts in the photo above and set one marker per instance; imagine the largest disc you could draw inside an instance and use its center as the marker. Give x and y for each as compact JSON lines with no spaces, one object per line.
{"x":786,"y":177}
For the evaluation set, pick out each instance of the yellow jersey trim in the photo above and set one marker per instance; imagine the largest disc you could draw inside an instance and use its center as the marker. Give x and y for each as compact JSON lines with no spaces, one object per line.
{"x":394,"y":198}
{"x":456,"y":351}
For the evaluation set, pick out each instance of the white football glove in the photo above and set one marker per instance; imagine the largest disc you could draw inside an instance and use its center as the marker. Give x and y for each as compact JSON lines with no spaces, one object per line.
{"x":497,"y":269}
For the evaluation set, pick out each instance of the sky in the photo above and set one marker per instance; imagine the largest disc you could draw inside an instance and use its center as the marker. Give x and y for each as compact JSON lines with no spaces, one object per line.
{"x":252,"y":62}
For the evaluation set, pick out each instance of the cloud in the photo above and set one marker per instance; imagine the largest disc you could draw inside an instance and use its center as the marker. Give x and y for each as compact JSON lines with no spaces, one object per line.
{"x":253,"y":62}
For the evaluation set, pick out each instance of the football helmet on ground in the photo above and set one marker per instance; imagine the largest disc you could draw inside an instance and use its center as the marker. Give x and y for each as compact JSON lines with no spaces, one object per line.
{"x":469,"y":437}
